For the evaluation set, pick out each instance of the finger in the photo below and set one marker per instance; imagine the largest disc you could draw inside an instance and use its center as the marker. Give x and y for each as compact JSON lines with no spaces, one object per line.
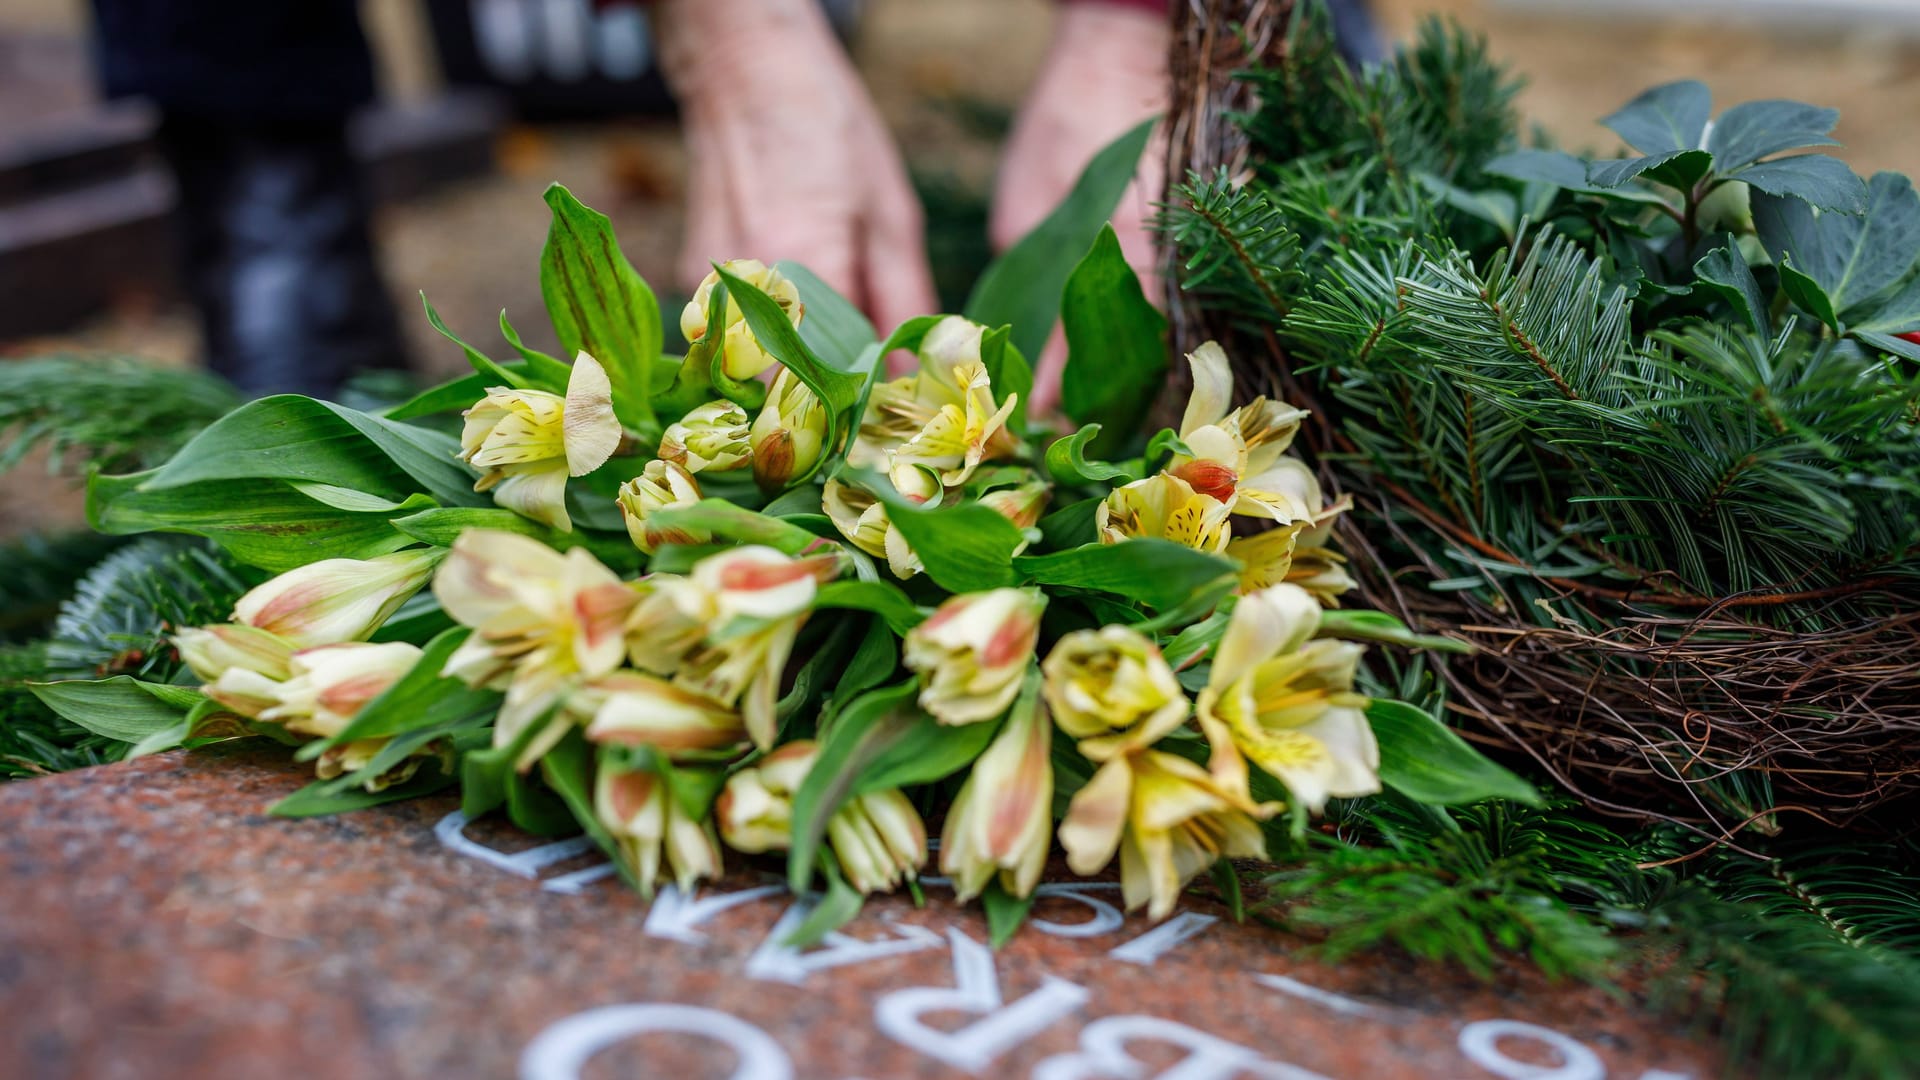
{"x":898,"y":279}
{"x":711,"y":232}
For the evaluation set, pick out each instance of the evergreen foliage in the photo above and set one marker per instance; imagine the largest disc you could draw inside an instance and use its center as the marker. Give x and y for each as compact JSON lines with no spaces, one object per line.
{"x":118,"y":617}
{"x":119,"y":413}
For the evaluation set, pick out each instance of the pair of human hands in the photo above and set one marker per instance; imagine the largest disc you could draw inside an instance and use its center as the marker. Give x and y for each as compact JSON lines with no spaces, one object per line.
{"x":789,"y":157}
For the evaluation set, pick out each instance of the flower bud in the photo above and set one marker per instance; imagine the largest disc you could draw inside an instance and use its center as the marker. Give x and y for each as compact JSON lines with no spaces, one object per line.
{"x":877,"y":837}
{"x":667,"y":623}
{"x":335,"y":600}
{"x":209,"y":651}
{"x":358,"y":754}
{"x":755,"y":810}
{"x":1111,"y":689}
{"x":1021,"y":505}
{"x":630,"y":709}
{"x":743,"y":358}
{"x":661,"y":485}
{"x":972,"y":653}
{"x":711,"y":438}
{"x":788,"y":434}
{"x":527,"y":442}
{"x":650,"y":826}
{"x":1001,"y":822}
{"x":760,"y":582}
{"x":329,"y":685}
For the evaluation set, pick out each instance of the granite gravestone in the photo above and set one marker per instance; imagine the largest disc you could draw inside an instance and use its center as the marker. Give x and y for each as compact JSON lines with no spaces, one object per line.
{"x":158,"y":923}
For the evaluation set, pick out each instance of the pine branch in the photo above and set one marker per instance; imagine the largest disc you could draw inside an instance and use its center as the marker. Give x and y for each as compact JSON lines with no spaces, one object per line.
{"x":124,"y":414}
{"x":118,"y":618}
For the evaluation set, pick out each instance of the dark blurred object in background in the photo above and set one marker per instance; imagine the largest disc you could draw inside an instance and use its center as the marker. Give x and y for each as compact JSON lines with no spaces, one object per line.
{"x":254,"y":99}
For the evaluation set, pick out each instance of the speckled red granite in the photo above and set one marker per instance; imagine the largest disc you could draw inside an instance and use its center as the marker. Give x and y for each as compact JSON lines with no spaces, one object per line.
{"x":156,"y":923}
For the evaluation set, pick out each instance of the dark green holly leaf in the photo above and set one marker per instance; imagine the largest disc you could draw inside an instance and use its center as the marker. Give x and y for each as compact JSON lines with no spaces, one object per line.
{"x":1665,"y":118}
{"x":1116,"y":344}
{"x":1821,"y":180}
{"x":1724,"y":272}
{"x":1807,"y":294}
{"x":1748,"y":132}
{"x":1852,"y":257}
{"x":1679,"y":169}
{"x":1562,"y":170}
{"x":1899,"y":315}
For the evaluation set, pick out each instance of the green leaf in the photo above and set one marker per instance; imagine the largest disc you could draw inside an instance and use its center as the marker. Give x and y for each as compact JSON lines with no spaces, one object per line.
{"x":878,"y":597}
{"x":1899,"y":315}
{"x":1067,"y":462}
{"x":1022,"y":287}
{"x":487,"y":774}
{"x":1362,"y":625}
{"x":1724,"y":272}
{"x":460,"y":393}
{"x":263,"y":523}
{"x":422,"y":698}
{"x":839,"y":389}
{"x":874,"y":661}
{"x":441,"y":526}
{"x":1853,"y":258}
{"x":839,"y":906}
{"x":882,"y":740}
{"x":1750,"y":131}
{"x":1010,"y":372}
{"x":833,"y":327}
{"x":1665,"y":118}
{"x":1005,"y":912}
{"x":568,"y":770}
{"x":1116,"y":344}
{"x":1227,"y":880}
{"x":1497,"y":208}
{"x":1070,"y":526}
{"x":729,"y":522}
{"x":483,"y":365}
{"x":322,"y":798}
{"x":1562,"y":170}
{"x":1158,"y":573}
{"x":546,"y":371}
{"x":1807,"y":294}
{"x":1676,"y":168}
{"x":1818,"y":179}
{"x":1889,"y":343}
{"x":599,"y":305}
{"x":1423,"y":760}
{"x":966,"y":548}
{"x":121,"y":707}
{"x":289,"y":437}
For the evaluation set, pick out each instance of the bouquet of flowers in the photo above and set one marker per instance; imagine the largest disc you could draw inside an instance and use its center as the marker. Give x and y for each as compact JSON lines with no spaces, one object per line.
{"x":762,"y":597}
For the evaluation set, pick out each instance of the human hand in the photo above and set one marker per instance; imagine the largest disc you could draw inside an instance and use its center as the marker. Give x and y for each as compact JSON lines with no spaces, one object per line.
{"x":788,"y":158}
{"x":1105,"y":71}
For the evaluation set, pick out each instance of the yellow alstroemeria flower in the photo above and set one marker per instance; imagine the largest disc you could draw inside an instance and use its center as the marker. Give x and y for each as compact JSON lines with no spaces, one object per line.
{"x":754,"y":601}
{"x":973,"y":651}
{"x":542,"y":622}
{"x":335,"y":600}
{"x":789,"y":434}
{"x":649,"y":827}
{"x":1111,"y":689}
{"x":210,"y":651}
{"x":527,"y":442}
{"x":1285,"y":700}
{"x":942,"y":418}
{"x":711,"y":438}
{"x":662,"y":485}
{"x":743,"y":358}
{"x":877,"y":837}
{"x":327,"y":686}
{"x":1286,"y":555}
{"x":1235,"y":453}
{"x":863,"y":520}
{"x":1000,"y":824}
{"x":1166,"y":507}
{"x":629,"y":708}
{"x":1168,"y":819}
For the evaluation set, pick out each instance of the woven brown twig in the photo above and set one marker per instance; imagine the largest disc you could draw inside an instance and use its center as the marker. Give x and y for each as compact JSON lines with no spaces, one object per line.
{"x":1643,"y":717}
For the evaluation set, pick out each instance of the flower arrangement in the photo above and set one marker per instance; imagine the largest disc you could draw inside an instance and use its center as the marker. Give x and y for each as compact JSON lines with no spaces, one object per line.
{"x":761,"y":598}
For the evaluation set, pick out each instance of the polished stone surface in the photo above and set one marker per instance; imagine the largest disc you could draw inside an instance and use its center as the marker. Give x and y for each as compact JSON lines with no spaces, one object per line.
{"x":157,"y":923}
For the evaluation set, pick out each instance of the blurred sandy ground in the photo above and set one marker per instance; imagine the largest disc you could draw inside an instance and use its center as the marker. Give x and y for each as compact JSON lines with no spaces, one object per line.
{"x":475,"y":246}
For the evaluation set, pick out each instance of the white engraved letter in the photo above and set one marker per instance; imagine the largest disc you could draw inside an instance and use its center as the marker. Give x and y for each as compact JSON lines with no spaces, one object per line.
{"x":562,"y":1049}
{"x":976,"y":990}
{"x":1478,"y":1041}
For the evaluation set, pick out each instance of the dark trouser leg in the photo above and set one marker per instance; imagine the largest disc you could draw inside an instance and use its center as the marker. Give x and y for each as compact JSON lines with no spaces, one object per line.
{"x":279,"y":259}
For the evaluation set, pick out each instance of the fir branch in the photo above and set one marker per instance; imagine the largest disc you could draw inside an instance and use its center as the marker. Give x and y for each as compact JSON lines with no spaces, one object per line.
{"x":117,"y":621}
{"x":121,"y":413}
